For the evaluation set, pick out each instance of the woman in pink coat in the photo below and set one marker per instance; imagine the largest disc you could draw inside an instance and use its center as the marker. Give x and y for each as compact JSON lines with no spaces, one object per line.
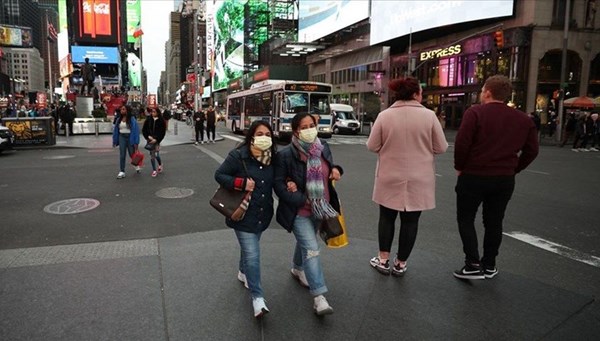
{"x":405,"y":137}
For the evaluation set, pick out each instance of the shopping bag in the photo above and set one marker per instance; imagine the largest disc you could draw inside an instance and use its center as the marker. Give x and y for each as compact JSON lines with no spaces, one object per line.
{"x":137,"y":158}
{"x":342,"y":239}
{"x":231,"y":203}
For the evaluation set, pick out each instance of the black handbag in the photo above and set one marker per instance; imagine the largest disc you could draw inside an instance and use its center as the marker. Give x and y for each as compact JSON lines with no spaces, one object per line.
{"x":150,"y":146}
{"x":330,"y":228}
{"x":230,"y":202}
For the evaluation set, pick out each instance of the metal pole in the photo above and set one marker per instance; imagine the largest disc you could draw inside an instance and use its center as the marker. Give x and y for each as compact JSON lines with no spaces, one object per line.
{"x":563,"y":71}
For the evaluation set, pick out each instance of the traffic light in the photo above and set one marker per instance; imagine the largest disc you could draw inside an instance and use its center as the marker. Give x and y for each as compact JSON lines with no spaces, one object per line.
{"x":499,"y":39}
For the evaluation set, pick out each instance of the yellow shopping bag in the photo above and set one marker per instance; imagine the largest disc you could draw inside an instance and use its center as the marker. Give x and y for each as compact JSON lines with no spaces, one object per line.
{"x":342,"y":239}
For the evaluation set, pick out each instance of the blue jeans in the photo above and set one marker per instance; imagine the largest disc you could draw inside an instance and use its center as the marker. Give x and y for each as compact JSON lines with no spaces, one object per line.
{"x":250,"y":260}
{"x":154,"y":156}
{"x":306,"y":254}
{"x":124,"y":146}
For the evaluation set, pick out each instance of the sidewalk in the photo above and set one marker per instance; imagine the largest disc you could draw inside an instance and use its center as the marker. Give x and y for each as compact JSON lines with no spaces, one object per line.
{"x":185,"y":288}
{"x":178,"y":133}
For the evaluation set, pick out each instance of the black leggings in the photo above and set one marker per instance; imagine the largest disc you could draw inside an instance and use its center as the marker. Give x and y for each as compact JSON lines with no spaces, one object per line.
{"x":199,"y":132}
{"x":210,"y":129}
{"x":409,"y":224}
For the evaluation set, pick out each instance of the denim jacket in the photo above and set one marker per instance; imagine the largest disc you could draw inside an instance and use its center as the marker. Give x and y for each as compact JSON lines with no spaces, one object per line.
{"x":134,"y":136}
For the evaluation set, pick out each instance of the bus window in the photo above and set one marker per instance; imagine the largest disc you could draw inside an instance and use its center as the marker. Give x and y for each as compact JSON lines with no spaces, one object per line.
{"x":296,"y":102}
{"x":319,"y":104}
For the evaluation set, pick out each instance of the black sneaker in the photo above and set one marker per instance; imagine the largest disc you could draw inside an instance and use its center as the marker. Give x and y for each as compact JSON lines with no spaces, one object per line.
{"x":382,"y":267}
{"x":490,"y":272}
{"x":470,"y":271}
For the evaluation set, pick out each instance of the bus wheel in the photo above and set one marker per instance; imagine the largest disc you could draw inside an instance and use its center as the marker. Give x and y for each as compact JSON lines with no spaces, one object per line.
{"x":336,"y":130}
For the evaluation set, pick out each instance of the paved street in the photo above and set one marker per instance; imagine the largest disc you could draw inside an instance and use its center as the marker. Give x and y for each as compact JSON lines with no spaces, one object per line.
{"x":149,"y":259}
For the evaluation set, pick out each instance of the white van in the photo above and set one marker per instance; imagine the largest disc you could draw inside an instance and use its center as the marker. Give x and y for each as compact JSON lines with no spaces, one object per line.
{"x":343,"y":119}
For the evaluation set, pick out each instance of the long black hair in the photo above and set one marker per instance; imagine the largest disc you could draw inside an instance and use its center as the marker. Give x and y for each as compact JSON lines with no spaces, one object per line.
{"x":248,"y":139}
{"x":299,"y":117}
{"x":127,"y":116}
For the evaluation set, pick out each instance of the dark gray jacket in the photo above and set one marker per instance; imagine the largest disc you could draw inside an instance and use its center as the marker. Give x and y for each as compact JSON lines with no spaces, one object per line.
{"x":290,"y":167}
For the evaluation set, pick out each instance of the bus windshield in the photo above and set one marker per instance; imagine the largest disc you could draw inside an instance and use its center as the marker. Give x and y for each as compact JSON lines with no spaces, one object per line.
{"x":300,"y":102}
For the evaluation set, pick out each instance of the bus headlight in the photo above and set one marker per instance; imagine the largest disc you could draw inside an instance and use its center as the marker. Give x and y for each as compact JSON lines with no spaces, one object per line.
{"x":325,"y":129}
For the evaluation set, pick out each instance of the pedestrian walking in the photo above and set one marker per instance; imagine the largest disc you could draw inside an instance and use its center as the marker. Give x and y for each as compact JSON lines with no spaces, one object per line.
{"x":486,"y":159}
{"x":579,"y":133}
{"x":595,"y":132}
{"x":304,"y":172}
{"x":199,"y":119}
{"x":126,"y":135}
{"x":154,"y":131}
{"x":249,"y":167}
{"x":211,"y":122}
{"x":569,"y":129}
{"x":588,"y":132}
{"x":406,"y":137}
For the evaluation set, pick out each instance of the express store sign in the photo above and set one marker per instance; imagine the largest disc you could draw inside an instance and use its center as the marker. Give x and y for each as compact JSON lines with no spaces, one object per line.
{"x":440,"y":53}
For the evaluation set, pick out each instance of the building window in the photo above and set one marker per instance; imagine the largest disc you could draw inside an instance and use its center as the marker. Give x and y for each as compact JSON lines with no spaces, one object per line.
{"x":558,"y":12}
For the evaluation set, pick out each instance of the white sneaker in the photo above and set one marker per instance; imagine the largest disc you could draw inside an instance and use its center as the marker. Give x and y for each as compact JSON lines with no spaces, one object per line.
{"x":586,"y":150}
{"x":575,"y":150}
{"x":138,"y":169}
{"x":260,"y":308}
{"x":242,"y":278}
{"x":593,"y":149}
{"x":321,"y":306}
{"x":300,"y":276}
{"x":121,"y":175}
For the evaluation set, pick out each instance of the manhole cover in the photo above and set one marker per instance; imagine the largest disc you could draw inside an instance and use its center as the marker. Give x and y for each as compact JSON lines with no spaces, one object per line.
{"x":72,"y":206}
{"x":174,"y":193}
{"x":58,"y":157}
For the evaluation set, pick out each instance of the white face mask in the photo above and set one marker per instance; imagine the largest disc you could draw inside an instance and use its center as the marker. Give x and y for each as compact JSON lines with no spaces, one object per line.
{"x":308,"y":135}
{"x":263,"y":142}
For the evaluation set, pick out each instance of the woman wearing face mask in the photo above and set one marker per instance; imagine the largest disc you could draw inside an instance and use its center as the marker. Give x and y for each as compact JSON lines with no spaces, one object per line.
{"x":248,"y":167}
{"x":304,"y":172}
{"x":126,"y":135}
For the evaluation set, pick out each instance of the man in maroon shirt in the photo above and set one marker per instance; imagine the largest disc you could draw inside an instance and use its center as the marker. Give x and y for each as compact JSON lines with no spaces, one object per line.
{"x":493,"y":143}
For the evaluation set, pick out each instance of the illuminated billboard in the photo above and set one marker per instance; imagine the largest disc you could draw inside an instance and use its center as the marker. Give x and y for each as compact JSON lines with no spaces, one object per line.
{"x":15,"y":36}
{"x":134,"y":69}
{"x":97,"y":21}
{"x":389,"y":20}
{"x":134,"y":17}
{"x":96,"y":54}
{"x":320,"y":18}
{"x":225,"y":37}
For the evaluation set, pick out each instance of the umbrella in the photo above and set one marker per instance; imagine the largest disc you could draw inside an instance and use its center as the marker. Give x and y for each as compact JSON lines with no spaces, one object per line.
{"x":597,"y":100}
{"x":580,"y":102}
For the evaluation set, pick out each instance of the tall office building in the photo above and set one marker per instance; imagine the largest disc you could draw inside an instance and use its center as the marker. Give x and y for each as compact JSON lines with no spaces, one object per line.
{"x":23,"y":13}
{"x":26,"y":67}
{"x":49,"y":50}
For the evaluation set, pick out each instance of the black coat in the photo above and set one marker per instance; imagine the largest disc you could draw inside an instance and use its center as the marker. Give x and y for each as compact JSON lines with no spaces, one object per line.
{"x":155,"y":128}
{"x":290,"y":167}
{"x":260,"y":211}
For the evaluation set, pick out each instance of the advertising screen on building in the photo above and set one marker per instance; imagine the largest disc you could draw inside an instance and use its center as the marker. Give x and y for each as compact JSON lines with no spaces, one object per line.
{"x":134,"y":69}
{"x":389,"y":21}
{"x":96,"y":21}
{"x":15,"y":36}
{"x":134,"y":17}
{"x":320,"y":18}
{"x":225,"y":37}
{"x":96,"y":54}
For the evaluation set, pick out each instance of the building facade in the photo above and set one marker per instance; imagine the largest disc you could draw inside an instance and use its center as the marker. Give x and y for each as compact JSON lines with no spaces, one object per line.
{"x":26,"y":68}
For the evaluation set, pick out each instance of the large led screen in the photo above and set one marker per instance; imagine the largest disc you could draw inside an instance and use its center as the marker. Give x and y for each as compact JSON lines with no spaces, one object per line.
{"x":392,"y":19}
{"x":97,"y":21}
{"x":225,"y":37}
{"x":134,"y":69}
{"x":134,"y":18}
{"x":15,"y":36}
{"x":320,"y":18}
{"x":96,"y":54}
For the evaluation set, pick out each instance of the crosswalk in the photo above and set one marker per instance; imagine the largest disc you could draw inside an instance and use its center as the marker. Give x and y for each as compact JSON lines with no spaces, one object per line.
{"x":334,"y":140}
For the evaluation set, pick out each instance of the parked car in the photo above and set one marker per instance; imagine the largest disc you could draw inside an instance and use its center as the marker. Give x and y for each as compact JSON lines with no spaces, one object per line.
{"x":7,"y":139}
{"x":343,"y":119}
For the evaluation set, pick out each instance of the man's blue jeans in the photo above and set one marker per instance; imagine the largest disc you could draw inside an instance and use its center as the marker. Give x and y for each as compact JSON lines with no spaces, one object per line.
{"x":250,"y":260}
{"x":123,"y":147}
{"x":306,"y":254}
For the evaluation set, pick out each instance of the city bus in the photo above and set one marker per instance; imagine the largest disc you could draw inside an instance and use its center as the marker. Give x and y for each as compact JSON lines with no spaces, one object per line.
{"x":277,"y":101}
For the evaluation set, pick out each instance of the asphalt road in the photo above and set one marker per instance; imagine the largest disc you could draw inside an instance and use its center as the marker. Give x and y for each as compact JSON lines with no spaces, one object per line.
{"x":556,"y":199}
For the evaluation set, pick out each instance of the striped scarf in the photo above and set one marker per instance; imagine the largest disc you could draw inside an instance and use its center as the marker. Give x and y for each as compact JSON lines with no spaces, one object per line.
{"x":315,"y":189}
{"x":263,"y":156}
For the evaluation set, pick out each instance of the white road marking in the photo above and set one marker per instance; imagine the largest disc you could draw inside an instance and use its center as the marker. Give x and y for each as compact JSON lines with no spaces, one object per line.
{"x":555,"y":248}
{"x":234,"y":138}
{"x":537,"y":172}
{"x":438,"y":175}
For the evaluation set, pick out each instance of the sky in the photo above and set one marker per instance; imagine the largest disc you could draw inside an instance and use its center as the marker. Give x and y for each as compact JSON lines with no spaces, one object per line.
{"x":155,"y":24}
